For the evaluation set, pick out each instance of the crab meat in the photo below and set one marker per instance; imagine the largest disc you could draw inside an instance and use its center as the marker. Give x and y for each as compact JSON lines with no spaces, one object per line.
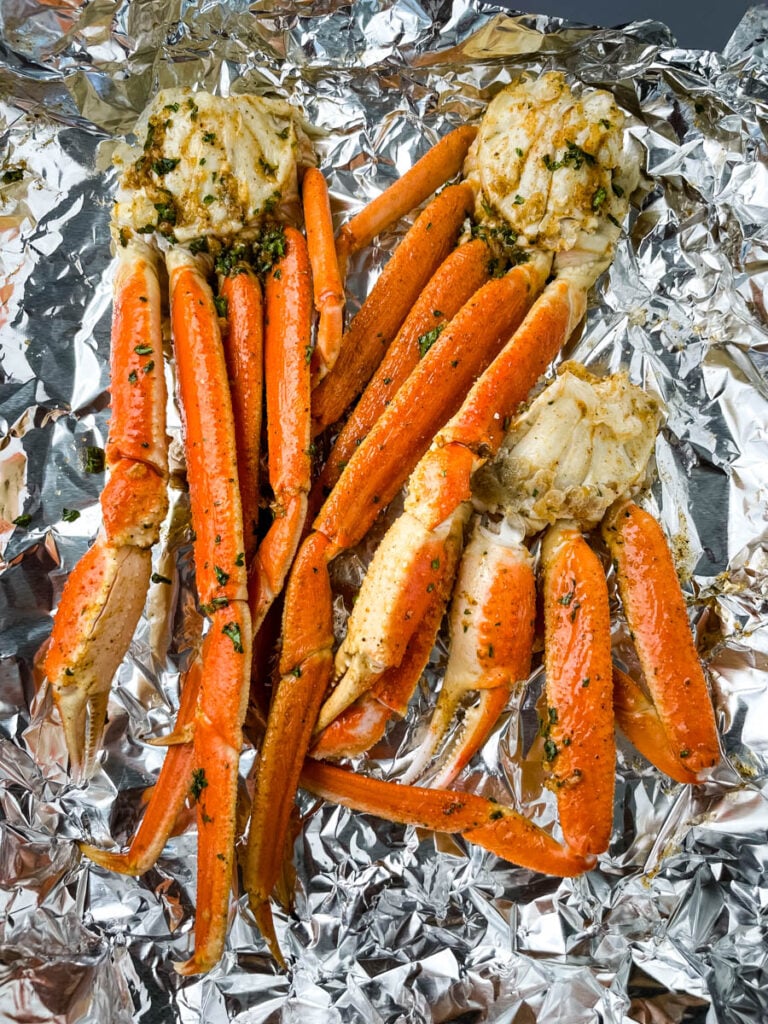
{"x":583,"y":444}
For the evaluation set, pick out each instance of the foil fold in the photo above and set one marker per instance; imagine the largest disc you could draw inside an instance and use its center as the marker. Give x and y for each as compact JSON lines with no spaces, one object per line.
{"x":390,"y":924}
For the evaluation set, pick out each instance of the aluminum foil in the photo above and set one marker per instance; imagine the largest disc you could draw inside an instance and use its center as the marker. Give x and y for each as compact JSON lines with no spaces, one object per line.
{"x":390,"y":924}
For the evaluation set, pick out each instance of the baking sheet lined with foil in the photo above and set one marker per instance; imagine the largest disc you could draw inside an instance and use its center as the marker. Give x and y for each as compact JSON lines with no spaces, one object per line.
{"x":390,"y":924}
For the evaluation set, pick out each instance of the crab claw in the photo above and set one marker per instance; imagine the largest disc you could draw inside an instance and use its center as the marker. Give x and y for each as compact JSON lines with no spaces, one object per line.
{"x":96,"y":619}
{"x":492,"y":623}
{"x":105,"y":593}
{"x":403,"y":580}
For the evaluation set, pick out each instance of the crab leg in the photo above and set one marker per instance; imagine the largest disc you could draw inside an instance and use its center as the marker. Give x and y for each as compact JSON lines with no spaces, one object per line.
{"x":439,"y":164}
{"x":454,"y":282}
{"x":492,"y":622}
{"x":579,"y":730}
{"x":288,"y":295}
{"x":372,"y":478}
{"x":488,"y":824}
{"x":220,"y":562}
{"x":243,"y":350}
{"x":328,"y":286}
{"x":655,"y":610}
{"x":104,"y":595}
{"x":413,"y":263}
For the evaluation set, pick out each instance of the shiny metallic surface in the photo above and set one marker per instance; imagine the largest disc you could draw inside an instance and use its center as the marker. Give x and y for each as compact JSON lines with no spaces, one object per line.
{"x":390,"y":924}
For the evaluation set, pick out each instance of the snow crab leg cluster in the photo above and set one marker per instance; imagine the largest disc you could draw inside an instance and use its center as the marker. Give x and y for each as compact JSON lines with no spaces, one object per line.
{"x":452,"y":339}
{"x":212,"y":181}
{"x":549,"y":175}
{"x":570,"y":463}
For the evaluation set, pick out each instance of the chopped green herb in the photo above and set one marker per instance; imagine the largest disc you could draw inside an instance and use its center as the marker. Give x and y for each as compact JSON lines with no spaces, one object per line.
{"x":133,"y":377}
{"x":567,"y":598}
{"x":519,"y":200}
{"x":232,"y":630}
{"x":199,"y":782}
{"x":308,"y":350}
{"x":550,"y":750}
{"x":124,"y":236}
{"x":150,"y":136}
{"x":150,"y":366}
{"x":164,"y":165}
{"x":209,"y":199}
{"x":14,"y":174}
{"x":23,"y":520}
{"x":157,"y":578}
{"x":550,"y":164}
{"x":221,"y":576}
{"x":143,"y":350}
{"x":585,"y":682}
{"x":577,"y":156}
{"x":146,"y":230}
{"x":166,"y":213}
{"x":617,"y":189}
{"x":221,"y":304}
{"x":173,"y":107}
{"x":271,"y":248}
{"x":613,"y":220}
{"x":94,"y":459}
{"x":599,"y":198}
{"x":214,"y":605}
{"x":284,"y":133}
{"x":268,"y":169}
{"x":426,"y":341}
{"x":69,"y":515}
{"x":296,"y":672}
{"x":435,"y":563}
{"x":209,"y":137}
{"x":605,"y":123}
{"x":519,"y":151}
{"x":198,"y":245}
{"x":240,"y":559}
{"x":684,"y":754}
{"x":552,"y":715}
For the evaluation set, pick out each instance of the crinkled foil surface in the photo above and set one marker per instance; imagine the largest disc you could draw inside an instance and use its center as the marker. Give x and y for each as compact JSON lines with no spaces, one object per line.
{"x":390,"y":924}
